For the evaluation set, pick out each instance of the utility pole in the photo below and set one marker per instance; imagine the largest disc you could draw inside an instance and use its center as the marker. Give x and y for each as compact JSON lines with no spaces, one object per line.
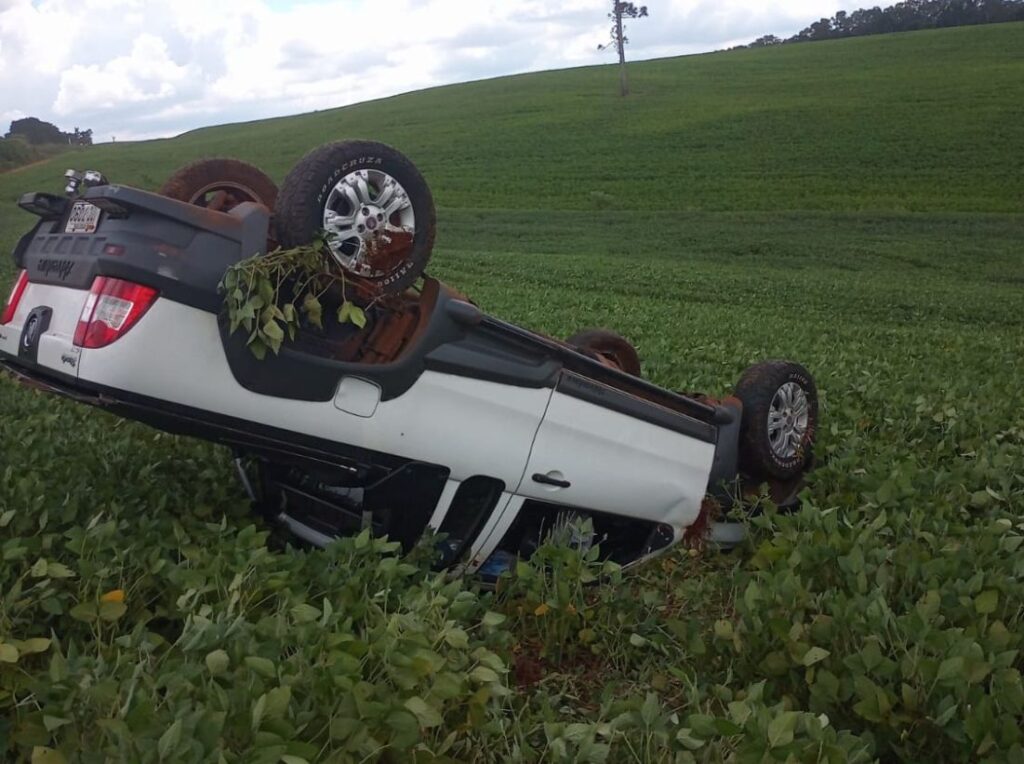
{"x":619,"y":39}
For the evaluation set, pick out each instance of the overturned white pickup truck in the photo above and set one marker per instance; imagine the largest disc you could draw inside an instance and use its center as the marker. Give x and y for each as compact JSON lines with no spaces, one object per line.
{"x":432,"y":415}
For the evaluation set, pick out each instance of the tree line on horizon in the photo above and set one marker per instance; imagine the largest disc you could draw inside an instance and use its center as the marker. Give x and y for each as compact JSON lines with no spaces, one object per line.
{"x":39,"y":133}
{"x":906,"y":16}
{"x":30,"y":140}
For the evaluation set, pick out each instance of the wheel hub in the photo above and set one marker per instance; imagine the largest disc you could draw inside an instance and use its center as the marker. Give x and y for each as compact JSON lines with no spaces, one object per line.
{"x":788,"y":419}
{"x":369,"y":221}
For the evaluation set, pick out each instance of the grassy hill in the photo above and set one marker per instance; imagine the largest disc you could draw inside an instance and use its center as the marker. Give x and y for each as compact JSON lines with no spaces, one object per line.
{"x":857,"y":205}
{"x":917,"y":122}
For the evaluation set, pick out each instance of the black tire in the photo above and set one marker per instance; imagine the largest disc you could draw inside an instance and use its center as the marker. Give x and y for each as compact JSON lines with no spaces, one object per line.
{"x":757,"y":388}
{"x":220,"y":184}
{"x":610,"y":346}
{"x":306,"y":193}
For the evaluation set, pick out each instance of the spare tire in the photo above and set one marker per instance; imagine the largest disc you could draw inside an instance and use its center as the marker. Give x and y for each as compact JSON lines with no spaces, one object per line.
{"x":372,"y":203}
{"x":780,"y":420}
{"x":610,"y":347}
{"x":220,"y":184}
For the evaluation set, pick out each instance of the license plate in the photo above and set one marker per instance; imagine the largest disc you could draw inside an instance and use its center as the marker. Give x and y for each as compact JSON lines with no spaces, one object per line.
{"x":84,"y":218}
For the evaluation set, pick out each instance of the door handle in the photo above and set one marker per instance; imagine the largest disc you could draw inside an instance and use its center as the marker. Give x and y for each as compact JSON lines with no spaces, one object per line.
{"x":548,"y":480}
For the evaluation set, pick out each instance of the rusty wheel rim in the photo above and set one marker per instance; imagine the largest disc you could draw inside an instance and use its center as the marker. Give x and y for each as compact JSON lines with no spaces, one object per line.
{"x":224,"y":196}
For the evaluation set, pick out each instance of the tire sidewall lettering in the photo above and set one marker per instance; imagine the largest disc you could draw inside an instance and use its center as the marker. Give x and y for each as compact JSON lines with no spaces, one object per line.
{"x":803,"y":381}
{"x":397,"y":273}
{"x":344,"y":169}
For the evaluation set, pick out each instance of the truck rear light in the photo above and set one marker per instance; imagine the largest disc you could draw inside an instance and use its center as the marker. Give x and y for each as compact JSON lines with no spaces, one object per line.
{"x":111,"y":309}
{"x":16,"y":292}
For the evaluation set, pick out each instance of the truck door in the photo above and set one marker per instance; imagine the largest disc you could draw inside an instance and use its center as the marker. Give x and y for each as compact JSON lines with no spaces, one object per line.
{"x":602,"y":449}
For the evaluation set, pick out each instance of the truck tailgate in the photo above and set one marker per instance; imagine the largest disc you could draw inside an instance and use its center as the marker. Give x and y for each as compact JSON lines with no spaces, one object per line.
{"x":43,"y":328}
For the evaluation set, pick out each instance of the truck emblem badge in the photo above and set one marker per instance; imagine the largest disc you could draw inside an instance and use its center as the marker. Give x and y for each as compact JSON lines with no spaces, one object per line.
{"x":60,"y":268}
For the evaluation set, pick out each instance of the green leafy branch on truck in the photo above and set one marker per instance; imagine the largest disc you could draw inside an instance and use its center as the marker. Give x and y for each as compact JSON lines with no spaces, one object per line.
{"x":271,"y":295}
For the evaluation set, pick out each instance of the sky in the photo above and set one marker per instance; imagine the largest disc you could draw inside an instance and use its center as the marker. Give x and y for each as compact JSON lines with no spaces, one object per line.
{"x":135,"y":69}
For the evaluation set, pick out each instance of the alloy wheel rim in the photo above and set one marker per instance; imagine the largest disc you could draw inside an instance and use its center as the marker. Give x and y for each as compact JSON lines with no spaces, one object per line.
{"x":788,"y":417}
{"x":368,"y":211}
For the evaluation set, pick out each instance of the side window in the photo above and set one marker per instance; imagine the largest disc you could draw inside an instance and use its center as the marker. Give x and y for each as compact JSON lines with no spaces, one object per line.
{"x":471,"y":506}
{"x":621,"y":539}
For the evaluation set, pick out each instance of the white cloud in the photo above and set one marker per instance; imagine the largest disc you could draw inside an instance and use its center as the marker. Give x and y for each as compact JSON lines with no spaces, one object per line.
{"x":139,"y":68}
{"x":147,"y":73}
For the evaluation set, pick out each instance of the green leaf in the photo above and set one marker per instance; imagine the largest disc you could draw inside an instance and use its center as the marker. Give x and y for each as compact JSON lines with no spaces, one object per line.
{"x":780,"y":729}
{"x":38,"y":570}
{"x":492,"y":619}
{"x":775,"y":663}
{"x":217,"y":662}
{"x":987,"y":601}
{"x":650,"y":709}
{"x":112,"y":611}
{"x":685,"y":737}
{"x":169,"y":741}
{"x":483,"y":674}
{"x":980,"y":499}
{"x":951,"y":668}
{"x":265,"y":289}
{"x":726,"y":727}
{"x":343,"y":727}
{"x":487,"y":658}
{"x":273,"y":330}
{"x":261,"y":666}
{"x":58,"y":670}
{"x":259,"y":708}
{"x":305,"y":613}
{"x":456,"y":638}
{"x":8,"y":653}
{"x":54,"y":722}
{"x":702,"y":725}
{"x":424,"y":712}
{"x":357,"y":316}
{"x":405,"y":728}
{"x":34,"y":645}
{"x":328,"y":611}
{"x":258,"y":349}
{"x":43,"y":755}
{"x":344,"y":312}
{"x":740,"y":711}
{"x":6,"y":518}
{"x":815,"y":655}
{"x":447,"y":685}
{"x":59,"y":570}
{"x":314,"y":310}
{"x":277,"y":702}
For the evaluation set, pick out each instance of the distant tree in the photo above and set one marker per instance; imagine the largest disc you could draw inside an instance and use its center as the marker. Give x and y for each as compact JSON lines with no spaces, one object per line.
{"x":35,"y":131}
{"x":840,"y":24}
{"x":907,"y":16}
{"x":81,"y":137}
{"x":764,"y":42}
{"x":39,"y":133}
{"x":619,"y":39}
